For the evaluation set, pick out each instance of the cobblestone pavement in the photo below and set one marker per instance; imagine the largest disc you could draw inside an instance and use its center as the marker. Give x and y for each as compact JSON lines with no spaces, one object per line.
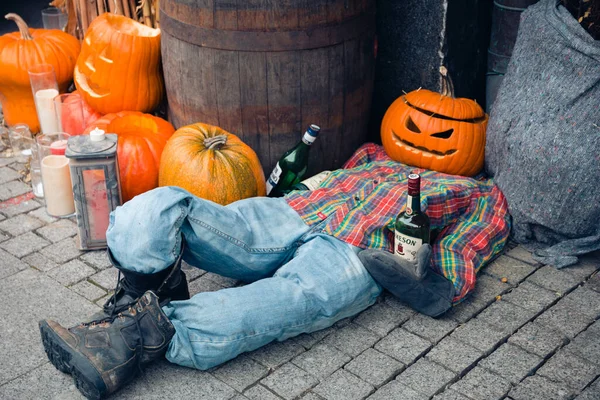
{"x":528,"y":332}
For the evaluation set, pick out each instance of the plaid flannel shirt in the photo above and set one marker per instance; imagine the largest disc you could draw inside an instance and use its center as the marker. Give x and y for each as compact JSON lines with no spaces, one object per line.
{"x":359,"y":204}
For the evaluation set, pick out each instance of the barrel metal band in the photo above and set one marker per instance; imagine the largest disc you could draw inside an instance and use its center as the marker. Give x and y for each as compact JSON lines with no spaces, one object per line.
{"x":320,"y":36}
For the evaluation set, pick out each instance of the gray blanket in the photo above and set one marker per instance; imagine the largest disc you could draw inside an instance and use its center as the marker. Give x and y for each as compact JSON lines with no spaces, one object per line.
{"x":543,"y":137}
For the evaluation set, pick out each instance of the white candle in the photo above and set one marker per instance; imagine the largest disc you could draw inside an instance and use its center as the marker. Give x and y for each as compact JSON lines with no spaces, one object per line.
{"x":58,"y":191}
{"x":44,"y":105}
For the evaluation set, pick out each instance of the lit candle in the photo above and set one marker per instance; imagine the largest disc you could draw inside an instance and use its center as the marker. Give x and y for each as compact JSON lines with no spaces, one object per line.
{"x":58,"y":147}
{"x":58,"y":191}
{"x":44,"y":105}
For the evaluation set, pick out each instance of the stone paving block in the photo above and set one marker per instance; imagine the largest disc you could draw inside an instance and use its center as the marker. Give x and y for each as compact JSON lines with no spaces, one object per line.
{"x":539,"y":388}
{"x":62,"y":251}
{"x":480,"y":335}
{"x":308,"y":340}
{"x":351,"y":339}
{"x":222,"y":281}
{"x":432,"y":329}
{"x":506,"y":316}
{"x":426,"y":377}
{"x":538,"y":339}
{"x":39,"y":261}
{"x":163,"y":380}
{"x":585,"y":300}
{"x":481,"y":384}
{"x":8,"y":174}
{"x":555,"y":280}
{"x":531,"y":296}
{"x":396,"y":390}
{"x":25,"y":244}
{"x":59,"y":230}
{"x":240,"y":373}
{"x":405,"y":311}
{"x":485,"y":292}
{"x":374,"y":367}
{"x":71,"y":272}
{"x":593,"y":283}
{"x":9,"y":264}
{"x":514,"y":271}
{"x":3,"y":237}
{"x":321,"y":361}
{"x":289,"y":381}
{"x":522,"y":254}
{"x":587,"y":344}
{"x":12,"y":189}
{"x":88,"y":290}
{"x":567,"y":367}
{"x":343,"y":322}
{"x":44,"y":382}
{"x":403,"y":346}
{"x":276,"y":353}
{"x":380,"y":318}
{"x":259,"y":392}
{"x":41,"y":214}
{"x":564,"y":318}
{"x":29,"y":296}
{"x":20,"y":224}
{"x":239,"y":397}
{"x":101,"y":301}
{"x":106,"y":279}
{"x":450,"y":395}
{"x":592,"y":392}
{"x":511,"y":362}
{"x":454,"y":355}
{"x":203,"y":285}
{"x":342,"y":385}
{"x":96,"y":258}
{"x":191,"y":272}
{"x":587,"y":265}
{"x":311,"y":396}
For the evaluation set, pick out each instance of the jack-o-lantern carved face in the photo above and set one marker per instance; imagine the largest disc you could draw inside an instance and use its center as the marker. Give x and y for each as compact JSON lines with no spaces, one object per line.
{"x":436,"y":131}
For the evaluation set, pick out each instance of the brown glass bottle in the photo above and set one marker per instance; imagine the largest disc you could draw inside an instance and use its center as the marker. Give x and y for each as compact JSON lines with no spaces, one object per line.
{"x":412,"y":225}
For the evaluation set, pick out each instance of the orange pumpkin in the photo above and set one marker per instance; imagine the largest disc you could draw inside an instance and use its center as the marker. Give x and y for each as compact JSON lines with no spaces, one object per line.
{"x":19,"y":51}
{"x":436,"y":131}
{"x":211,"y":163}
{"x":141,"y":139}
{"x":119,"y":65}
{"x":75,"y":123}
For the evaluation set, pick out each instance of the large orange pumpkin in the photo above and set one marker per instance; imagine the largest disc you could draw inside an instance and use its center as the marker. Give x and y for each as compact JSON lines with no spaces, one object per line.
{"x":19,"y":51}
{"x":211,"y":163}
{"x":119,"y":65}
{"x":141,"y":139}
{"x":436,"y":131}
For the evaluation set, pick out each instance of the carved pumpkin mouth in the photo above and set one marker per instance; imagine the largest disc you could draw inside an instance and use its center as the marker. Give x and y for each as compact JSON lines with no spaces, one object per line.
{"x":423,"y":149}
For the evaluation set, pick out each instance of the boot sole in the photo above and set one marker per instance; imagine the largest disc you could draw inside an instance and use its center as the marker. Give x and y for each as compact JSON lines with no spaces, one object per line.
{"x":66,"y":359}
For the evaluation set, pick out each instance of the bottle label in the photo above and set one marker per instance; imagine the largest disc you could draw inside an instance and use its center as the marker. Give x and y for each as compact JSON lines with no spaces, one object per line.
{"x":409,"y":200}
{"x":314,"y":181}
{"x":273,"y":178}
{"x":406,"y":246}
{"x":308,"y":138}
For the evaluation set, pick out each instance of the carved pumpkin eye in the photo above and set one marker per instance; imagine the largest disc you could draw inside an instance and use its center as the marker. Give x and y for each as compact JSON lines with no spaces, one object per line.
{"x":411,"y":126}
{"x":444,"y":134}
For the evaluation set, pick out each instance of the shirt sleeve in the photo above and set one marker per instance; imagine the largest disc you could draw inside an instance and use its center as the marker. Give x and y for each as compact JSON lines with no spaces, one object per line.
{"x":471,"y":241}
{"x":368,"y":152}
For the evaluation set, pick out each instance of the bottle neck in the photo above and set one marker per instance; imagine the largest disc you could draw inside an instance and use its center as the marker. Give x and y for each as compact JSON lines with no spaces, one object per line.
{"x":413,"y":203}
{"x":308,"y":139}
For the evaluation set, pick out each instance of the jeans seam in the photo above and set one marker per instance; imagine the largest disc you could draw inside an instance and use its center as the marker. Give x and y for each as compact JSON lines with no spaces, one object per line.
{"x":178,"y":223}
{"x":239,"y":243}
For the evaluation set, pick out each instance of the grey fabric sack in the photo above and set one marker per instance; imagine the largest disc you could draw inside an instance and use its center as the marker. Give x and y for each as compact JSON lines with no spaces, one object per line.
{"x":543,"y":136}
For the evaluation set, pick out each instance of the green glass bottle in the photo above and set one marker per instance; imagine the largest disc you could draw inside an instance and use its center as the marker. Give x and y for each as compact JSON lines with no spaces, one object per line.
{"x":292,"y":166}
{"x":313,"y":182}
{"x":412,"y":225}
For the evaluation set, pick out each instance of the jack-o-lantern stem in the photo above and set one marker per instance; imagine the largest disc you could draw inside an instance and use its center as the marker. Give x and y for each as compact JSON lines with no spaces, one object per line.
{"x":447,"y":85}
{"x":23,"y":28}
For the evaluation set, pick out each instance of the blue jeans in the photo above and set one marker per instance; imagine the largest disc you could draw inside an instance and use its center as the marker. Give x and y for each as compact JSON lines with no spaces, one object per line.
{"x":300,"y":279}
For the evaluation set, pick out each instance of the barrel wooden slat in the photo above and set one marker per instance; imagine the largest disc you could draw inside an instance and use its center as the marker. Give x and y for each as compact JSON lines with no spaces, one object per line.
{"x":265,"y":69}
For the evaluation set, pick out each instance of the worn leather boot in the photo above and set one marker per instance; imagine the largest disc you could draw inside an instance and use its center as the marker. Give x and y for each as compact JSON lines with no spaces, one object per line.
{"x":169,"y":284}
{"x":106,"y":354}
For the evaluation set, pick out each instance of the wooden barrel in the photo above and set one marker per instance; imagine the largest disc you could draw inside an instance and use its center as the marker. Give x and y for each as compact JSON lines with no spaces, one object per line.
{"x":266,"y":69}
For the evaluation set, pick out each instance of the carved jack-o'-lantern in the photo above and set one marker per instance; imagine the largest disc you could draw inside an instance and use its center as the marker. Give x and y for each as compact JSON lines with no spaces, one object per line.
{"x":436,"y":131}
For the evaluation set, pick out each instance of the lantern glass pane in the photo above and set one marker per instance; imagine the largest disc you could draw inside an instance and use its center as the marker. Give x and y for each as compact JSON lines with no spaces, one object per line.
{"x":96,"y":202}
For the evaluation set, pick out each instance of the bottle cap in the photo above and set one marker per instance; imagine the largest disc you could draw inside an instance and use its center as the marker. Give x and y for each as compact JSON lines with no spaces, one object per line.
{"x":414,"y":184}
{"x":313,"y":130}
{"x":97,"y":135}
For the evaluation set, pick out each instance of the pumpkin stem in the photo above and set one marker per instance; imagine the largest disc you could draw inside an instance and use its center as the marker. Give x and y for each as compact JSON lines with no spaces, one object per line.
{"x":447,"y":85}
{"x":215,"y":142}
{"x":23,"y":28}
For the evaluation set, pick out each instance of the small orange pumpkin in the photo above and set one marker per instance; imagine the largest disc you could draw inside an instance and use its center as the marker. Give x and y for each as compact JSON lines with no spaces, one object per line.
{"x":436,"y":131}
{"x":211,"y":163}
{"x":19,"y":51}
{"x":141,"y":140}
{"x":119,"y":65}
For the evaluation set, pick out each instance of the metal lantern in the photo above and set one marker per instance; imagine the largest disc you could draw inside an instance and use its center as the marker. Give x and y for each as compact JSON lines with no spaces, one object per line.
{"x":96,"y":185}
